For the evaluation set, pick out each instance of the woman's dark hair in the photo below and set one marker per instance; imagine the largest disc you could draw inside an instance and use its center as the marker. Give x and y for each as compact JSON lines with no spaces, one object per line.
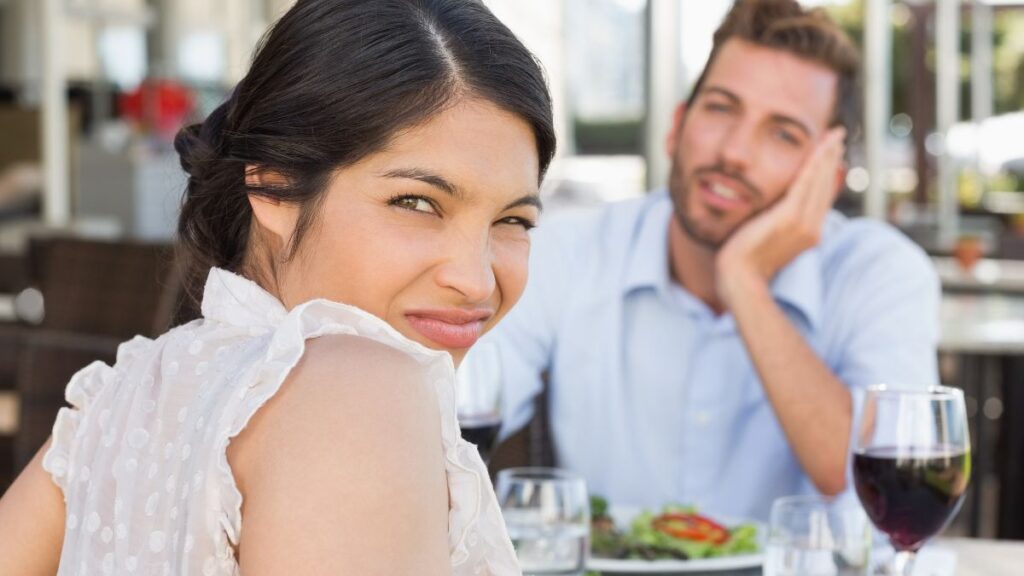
{"x":332,"y":82}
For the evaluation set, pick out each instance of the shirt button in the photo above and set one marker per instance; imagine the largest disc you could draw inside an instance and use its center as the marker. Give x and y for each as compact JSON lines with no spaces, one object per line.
{"x":702,"y":418}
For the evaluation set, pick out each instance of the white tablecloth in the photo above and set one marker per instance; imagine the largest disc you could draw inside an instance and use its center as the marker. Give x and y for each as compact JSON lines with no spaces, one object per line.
{"x":983,"y":557}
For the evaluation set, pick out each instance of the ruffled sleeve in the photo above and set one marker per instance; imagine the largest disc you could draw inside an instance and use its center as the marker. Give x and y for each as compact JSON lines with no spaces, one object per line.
{"x":82,"y":392}
{"x":477,"y":538}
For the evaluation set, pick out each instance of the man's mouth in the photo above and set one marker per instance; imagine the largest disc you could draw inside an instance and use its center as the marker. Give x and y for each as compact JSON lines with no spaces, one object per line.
{"x":724,"y":192}
{"x":722,"y":196}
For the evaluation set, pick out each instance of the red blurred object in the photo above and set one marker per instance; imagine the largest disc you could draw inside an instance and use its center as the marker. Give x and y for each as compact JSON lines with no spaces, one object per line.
{"x":158,"y":106}
{"x":688,"y":526}
{"x":967,"y":251}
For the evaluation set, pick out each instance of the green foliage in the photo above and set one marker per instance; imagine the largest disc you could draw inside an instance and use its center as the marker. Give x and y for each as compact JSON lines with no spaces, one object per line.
{"x":1007,"y":56}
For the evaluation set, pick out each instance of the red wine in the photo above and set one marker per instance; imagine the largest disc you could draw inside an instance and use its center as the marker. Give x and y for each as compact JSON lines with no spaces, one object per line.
{"x":482,"y":431}
{"x":911,"y":494}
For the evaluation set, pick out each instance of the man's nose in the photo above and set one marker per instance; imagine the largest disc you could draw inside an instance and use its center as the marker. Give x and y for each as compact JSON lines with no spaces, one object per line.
{"x":737,"y":147}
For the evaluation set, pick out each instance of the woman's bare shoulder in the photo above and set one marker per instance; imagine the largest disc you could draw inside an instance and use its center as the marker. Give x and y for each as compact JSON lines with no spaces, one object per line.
{"x":354,"y":432}
{"x":342,"y":391}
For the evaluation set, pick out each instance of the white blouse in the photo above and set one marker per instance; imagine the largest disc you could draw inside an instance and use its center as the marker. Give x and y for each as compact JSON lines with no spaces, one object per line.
{"x":141,"y":456}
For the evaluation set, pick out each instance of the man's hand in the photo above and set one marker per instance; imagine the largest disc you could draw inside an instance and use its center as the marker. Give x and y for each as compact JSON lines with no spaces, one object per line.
{"x":772,"y":239}
{"x":813,"y":407}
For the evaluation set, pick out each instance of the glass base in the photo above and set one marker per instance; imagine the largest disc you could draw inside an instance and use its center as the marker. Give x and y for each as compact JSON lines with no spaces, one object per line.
{"x":902,"y":564}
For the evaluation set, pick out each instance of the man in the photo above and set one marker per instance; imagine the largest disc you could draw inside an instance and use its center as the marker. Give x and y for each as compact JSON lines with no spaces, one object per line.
{"x":706,"y":346}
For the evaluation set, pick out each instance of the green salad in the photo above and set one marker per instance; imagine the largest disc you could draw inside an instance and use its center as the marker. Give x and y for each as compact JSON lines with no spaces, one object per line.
{"x":676,"y":532}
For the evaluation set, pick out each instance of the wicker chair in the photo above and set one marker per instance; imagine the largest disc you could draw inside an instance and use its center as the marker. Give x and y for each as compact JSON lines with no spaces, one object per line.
{"x":96,"y":295}
{"x":48,"y":361}
{"x":13,"y":278}
{"x":117,"y":289}
{"x":1010,"y":453}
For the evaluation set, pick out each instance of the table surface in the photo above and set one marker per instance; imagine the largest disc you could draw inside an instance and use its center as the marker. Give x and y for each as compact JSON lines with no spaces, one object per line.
{"x":985,"y":557}
{"x":988,"y":275}
{"x":988,"y":323}
{"x":943,"y":557}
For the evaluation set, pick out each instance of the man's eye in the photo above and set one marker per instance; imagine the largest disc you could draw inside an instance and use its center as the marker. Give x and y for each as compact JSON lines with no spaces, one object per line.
{"x":414,"y":203}
{"x":787,"y":137}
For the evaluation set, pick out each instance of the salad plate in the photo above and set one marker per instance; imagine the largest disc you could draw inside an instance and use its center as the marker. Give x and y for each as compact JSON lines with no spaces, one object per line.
{"x":741,"y":552}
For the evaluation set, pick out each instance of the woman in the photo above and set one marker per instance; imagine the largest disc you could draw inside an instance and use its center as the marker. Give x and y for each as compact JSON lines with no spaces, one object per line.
{"x":361,"y":206}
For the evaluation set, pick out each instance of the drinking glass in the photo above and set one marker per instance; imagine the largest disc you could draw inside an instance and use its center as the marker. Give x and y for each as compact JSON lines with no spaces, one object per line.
{"x":547,"y":514}
{"x":478,"y":396}
{"x":911,"y":464}
{"x":817,"y":536}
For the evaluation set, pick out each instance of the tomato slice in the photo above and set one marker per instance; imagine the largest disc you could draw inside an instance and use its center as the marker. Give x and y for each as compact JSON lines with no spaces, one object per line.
{"x":691,"y":527}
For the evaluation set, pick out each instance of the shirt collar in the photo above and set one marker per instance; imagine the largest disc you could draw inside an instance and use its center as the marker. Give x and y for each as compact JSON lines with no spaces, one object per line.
{"x":238,"y":301}
{"x":647,"y":262}
{"x":797,"y":286}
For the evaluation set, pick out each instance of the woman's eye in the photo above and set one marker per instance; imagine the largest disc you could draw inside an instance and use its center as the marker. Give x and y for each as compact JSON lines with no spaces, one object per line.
{"x":414,"y":203}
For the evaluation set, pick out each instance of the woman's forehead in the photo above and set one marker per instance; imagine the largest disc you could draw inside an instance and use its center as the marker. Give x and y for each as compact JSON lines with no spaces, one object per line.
{"x":465,"y":148}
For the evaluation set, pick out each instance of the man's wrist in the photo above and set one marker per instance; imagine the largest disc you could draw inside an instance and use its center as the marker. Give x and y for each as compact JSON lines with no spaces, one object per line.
{"x":738,"y":285}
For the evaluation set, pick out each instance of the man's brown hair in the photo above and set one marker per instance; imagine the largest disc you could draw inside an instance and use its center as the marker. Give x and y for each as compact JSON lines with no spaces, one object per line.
{"x":809,"y":34}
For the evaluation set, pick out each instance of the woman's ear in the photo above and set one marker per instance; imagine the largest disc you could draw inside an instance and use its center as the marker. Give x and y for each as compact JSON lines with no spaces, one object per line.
{"x":277,"y":217}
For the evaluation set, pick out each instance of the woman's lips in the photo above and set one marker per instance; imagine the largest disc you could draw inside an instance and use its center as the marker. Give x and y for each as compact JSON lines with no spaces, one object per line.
{"x":455,"y":329}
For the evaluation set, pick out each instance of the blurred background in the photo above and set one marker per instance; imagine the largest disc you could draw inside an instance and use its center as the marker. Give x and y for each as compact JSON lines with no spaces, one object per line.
{"x":943,"y":100}
{"x":93,"y":91}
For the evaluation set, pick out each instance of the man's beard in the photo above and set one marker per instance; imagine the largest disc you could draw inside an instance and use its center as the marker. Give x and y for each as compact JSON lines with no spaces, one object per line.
{"x":680,"y":190}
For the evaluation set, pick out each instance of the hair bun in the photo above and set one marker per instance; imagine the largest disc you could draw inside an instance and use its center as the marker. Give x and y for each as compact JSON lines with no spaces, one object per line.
{"x":198,"y":144}
{"x":190,"y":147}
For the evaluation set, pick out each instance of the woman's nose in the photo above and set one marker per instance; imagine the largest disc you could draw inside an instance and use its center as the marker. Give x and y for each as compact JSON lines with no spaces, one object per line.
{"x":469,"y":269}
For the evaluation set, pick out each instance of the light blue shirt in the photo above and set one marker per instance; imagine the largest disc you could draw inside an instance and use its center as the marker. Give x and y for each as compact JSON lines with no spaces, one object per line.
{"x":653,"y":398}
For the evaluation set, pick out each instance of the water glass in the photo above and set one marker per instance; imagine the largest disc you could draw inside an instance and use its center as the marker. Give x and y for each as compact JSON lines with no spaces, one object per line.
{"x":547,"y":513}
{"x":817,"y":536}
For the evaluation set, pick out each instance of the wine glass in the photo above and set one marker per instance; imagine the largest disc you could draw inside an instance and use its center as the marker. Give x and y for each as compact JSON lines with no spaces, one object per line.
{"x":478,"y":396}
{"x":911,"y":464}
{"x":547,"y":514}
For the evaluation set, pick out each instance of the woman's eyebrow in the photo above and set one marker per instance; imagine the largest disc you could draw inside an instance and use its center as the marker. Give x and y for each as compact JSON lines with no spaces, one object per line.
{"x":528,"y":200}
{"x":427,"y":177}
{"x":442,"y":184}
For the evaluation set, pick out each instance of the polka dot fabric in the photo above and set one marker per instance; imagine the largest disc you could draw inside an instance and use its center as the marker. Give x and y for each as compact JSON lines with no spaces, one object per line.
{"x":141,"y":455}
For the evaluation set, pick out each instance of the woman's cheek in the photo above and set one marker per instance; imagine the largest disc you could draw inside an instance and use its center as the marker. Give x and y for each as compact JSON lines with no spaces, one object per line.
{"x":400,"y":246}
{"x":511,"y":269}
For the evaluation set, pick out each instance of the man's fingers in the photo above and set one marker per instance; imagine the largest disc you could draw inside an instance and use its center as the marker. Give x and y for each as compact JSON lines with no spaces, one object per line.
{"x":821,"y":192}
{"x":805,"y":186}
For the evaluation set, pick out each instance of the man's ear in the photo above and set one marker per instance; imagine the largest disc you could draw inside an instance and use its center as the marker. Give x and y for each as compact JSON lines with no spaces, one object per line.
{"x":672,"y":140}
{"x":277,"y":217}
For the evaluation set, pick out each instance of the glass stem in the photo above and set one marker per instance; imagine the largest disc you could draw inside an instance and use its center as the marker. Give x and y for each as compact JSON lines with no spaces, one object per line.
{"x":903,"y":563}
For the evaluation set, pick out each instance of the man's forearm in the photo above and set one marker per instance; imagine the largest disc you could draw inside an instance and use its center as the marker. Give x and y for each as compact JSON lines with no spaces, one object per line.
{"x":813,"y":406}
